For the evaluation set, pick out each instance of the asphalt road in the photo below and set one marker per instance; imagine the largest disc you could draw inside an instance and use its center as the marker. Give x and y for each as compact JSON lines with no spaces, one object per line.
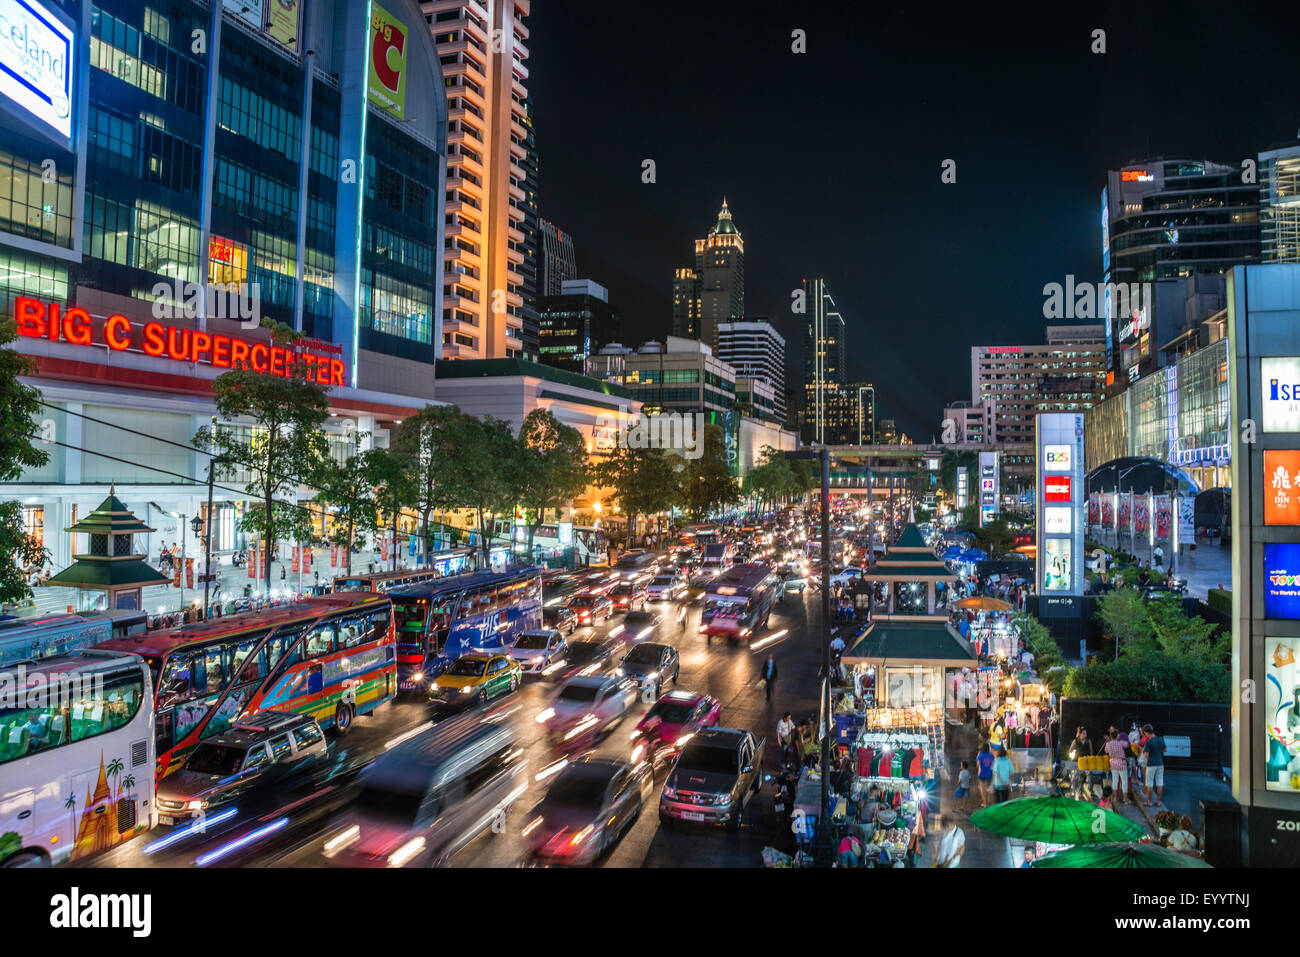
{"x":289,"y":831}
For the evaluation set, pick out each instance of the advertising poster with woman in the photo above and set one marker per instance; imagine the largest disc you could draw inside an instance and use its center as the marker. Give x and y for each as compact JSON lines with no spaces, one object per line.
{"x":1282,"y":713}
{"x":1107,"y":511}
{"x":1141,"y":515}
{"x":1094,"y":508}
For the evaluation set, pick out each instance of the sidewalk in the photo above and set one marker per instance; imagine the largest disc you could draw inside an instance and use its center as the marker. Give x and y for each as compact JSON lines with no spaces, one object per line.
{"x":1210,"y":567}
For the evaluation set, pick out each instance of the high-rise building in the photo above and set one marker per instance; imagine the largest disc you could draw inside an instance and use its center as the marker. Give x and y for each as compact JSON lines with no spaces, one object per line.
{"x":574,"y":325}
{"x":753,"y":347}
{"x":558,"y":261}
{"x":1279,"y":205}
{"x":530,"y":246}
{"x":830,"y":416}
{"x":865,"y":395}
{"x":714,"y":291}
{"x":680,"y":374}
{"x":1018,"y":382}
{"x":1166,"y":219}
{"x":483,"y":71}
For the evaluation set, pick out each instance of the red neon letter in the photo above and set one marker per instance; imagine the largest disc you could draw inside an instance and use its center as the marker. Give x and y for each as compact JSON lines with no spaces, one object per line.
{"x":200,"y":345}
{"x":178,"y":349}
{"x":117,"y":332}
{"x":30,"y":315}
{"x":76,"y":326}
{"x":257,"y":357}
{"x":277,"y":360}
{"x":238,"y":354}
{"x":221,"y":351}
{"x":337,"y":367}
{"x":153,"y":338}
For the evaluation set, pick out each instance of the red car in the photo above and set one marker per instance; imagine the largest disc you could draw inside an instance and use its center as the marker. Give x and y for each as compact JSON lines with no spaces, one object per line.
{"x":627,"y":595}
{"x":590,"y":608}
{"x":671,"y":722}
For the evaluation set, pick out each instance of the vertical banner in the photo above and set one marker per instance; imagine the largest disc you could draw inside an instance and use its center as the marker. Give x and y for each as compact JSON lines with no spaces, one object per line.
{"x":266,"y":564}
{"x":1164,"y":518}
{"x":1094,"y":508}
{"x":176,"y":571}
{"x":252,"y":562}
{"x":1126,"y":510}
{"x":189,"y":573}
{"x":387,"y":81}
{"x":1186,"y":519}
{"x":282,"y":22}
{"x":1107,"y":510}
{"x":334,"y":556}
{"x":306,"y":558}
{"x":1141,"y":515}
{"x":294,"y":561}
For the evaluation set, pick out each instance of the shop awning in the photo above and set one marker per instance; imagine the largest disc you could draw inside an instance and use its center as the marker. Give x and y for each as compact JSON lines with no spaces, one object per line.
{"x":901,"y":643}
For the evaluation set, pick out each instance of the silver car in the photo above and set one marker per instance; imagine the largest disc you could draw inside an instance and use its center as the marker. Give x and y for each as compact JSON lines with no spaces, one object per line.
{"x":539,"y":649}
{"x":588,"y":706}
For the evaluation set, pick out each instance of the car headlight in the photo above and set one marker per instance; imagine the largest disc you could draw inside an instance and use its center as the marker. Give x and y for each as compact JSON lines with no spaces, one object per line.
{"x":196,"y":805}
{"x":467,"y":689}
{"x":618,"y":672}
{"x":652,"y":676}
{"x":670,"y":793}
{"x":418,"y":676}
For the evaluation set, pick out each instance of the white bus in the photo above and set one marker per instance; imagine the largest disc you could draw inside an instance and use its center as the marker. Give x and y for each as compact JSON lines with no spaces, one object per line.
{"x":76,"y":756}
{"x":589,"y":544}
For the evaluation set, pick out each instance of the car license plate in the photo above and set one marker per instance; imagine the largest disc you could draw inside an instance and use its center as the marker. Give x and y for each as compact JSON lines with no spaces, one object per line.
{"x":166,"y":820}
{"x":692,"y":816}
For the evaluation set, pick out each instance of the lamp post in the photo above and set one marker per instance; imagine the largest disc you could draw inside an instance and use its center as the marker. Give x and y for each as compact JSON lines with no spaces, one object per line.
{"x":824,"y":731}
{"x":207,"y":539}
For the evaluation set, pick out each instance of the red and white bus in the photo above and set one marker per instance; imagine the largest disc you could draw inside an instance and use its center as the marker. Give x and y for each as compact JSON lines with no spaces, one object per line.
{"x":332,"y":656}
{"x":739,"y":601}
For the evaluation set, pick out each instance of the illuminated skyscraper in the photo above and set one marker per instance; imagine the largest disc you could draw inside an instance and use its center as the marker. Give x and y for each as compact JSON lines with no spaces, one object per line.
{"x":714,"y":291}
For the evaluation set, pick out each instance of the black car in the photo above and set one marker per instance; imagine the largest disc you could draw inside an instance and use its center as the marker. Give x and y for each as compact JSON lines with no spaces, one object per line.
{"x":587,"y":808}
{"x":638,"y":620}
{"x":561,"y":618}
{"x":652,"y":664}
{"x":595,"y":657}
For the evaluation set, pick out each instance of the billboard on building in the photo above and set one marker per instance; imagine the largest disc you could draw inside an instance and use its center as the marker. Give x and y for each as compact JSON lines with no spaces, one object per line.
{"x":387,"y":85}
{"x":282,"y":22}
{"x":989,"y":486}
{"x":1062,"y":502}
{"x":1281,"y":487}
{"x":37,"y":66}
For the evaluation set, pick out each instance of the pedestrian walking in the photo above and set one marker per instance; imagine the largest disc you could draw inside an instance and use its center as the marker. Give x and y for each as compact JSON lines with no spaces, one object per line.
{"x":985,"y":775}
{"x":769,"y":675}
{"x":785,"y":736}
{"x":952,"y":842}
{"x":1154,"y":749}
{"x":1002,"y":771}
{"x":1118,"y":753}
{"x":962,"y":794}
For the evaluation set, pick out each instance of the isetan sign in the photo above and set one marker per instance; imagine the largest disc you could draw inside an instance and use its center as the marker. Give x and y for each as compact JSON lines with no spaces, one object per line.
{"x":39,"y":320}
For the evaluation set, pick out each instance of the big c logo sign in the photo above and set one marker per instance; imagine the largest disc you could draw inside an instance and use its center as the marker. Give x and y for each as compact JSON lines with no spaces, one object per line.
{"x":1280,"y":401}
{"x":1056,"y":458}
{"x":387,"y":86}
{"x":1056,"y":488}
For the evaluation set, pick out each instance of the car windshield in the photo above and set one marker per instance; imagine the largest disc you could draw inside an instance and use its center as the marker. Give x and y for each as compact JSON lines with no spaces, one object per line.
{"x":704,"y":758}
{"x":467,"y":667}
{"x":634,"y":616}
{"x":644,"y":654}
{"x":583,"y":602}
{"x":399,"y":806}
{"x":216,"y":759}
{"x":672,"y":712}
{"x":578,"y":693}
{"x":532,"y":642}
{"x":577,"y":790}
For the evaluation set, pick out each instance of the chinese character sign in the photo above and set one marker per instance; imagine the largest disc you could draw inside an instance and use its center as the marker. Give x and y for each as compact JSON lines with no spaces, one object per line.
{"x":1281,"y":487}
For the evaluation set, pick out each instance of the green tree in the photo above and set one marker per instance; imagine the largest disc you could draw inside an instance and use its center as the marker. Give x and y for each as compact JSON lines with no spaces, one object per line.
{"x":643,"y":481}
{"x":707,"y":483}
{"x":1123,"y":614}
{"x":1048,"y":659}
{"x":552,"y":467}
{"x":953,"y":461}
{"x":20,"y":406}
{"x":394,"y":488}
{"x":350,"y":488}
{"x":487,"y":464}
{"x":282,"y":449}
{"x":426,"y":444}
{"x":997,"y":538}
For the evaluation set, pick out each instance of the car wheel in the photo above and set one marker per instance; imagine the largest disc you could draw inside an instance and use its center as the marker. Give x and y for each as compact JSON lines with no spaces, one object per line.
{"x":665,"y":821}
{"x":514,"y":683}
{"x":677,"y":673}
{"x":26,"y":859}
{"x":733,"y":825}
{"x":343,"y":715}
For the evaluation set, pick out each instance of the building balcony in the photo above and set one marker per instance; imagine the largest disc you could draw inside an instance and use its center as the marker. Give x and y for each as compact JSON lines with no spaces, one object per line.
{"x":472,"y":96}
{"x":459,"y":302}
{"x":468,"y":162}
{"x":454,"y":350}
{"x":517,"y":192}
{"x":518,"y":152}
{"x":467,"y":256}
{"x":514,"y":234}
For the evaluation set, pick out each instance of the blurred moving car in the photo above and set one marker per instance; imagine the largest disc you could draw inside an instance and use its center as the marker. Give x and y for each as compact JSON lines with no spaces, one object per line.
{"x":671,"y":722}
{"x":474,"y":678}
{"x":561,"y":618}
{"x":639,"y":623}
{"x":429,"y":796}
{"x":713,"y":779}
{"x":270,"y":750}
{"x":627,"y":594}
{"x":588,"y":807}
{"x":666,"y":586}
{"x":585,"y":658}
{"x":586,"y":708}
{"x":591,"y":608}
{"x":537,"y":650}
{"x":651,"y":664}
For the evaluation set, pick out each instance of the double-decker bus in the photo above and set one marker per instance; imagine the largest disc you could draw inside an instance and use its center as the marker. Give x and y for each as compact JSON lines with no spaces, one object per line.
{"x":48,"y":635}
{"x":739,"y":601}
{"x":331,"y":656}
{"x":76,"y":756}
{"x":444,"y":619}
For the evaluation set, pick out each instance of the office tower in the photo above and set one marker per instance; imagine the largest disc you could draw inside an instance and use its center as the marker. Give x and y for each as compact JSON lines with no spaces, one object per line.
{"x":574,"y":325}
{"x":1166,"y":219}
{"x":714,"y":291}
{"x":865,"y":394}
{"x":530,"y":246}
{"x":483,"y":72}
{"x":680,"y":374}
{"x":1279,"y":205}
{"x":558,"y":262}
{"x":754,"y":348}
{"x":829,"y":417}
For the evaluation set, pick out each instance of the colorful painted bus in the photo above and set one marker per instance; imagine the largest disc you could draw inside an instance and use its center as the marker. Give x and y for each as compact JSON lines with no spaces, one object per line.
{"x":332,"y":656}
{"x":76,"y":756}
{"x":441,"y":620}
{"x":48,"y":635}
{"x":739,"y":601}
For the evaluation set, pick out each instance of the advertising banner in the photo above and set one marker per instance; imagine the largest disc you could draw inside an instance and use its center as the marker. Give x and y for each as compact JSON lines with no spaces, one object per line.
{"x":1108,"y":510}
{"x":1056,"y":520}
{"x":37,"y":65}
{"x":1281,"y":487}
{"x":1186,"y":519}
{"x":1058,"y":565}
{"x":1281,"y":703}
{"x":293,"y":561}
{"x":306,"y":558}
{"x":1126,"y":510}
{"x":1056,"y":488}
{"x":189,"y":573}
{"x":1280,"y":379}
{"x":1094,"y":508}
{"x":252,"y":12}
{"x":1065,"y":508}
{"x":1057,"y":458}
{"x":282,"y":22}
{"x":176,"y":572}
{"x":387,"y":86}
{"x":252,"y":562}
{"x":334,"y":556}
{"x":1141,"y":515}
{"x":1164,"y":518}
{"x":1282,"y":581}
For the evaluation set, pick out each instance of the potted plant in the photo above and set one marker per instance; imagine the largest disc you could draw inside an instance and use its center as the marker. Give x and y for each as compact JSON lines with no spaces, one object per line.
{"x":1168,"y":822}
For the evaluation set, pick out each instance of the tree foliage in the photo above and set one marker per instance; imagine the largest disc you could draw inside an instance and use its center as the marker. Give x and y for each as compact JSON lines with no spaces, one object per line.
{"x":429,"y":446}
{"x":552,"y":468}
{"x":20,"y":405}
{"x":641,"y":481}
{"x":707,"y":484}
{"x":350,"y":488}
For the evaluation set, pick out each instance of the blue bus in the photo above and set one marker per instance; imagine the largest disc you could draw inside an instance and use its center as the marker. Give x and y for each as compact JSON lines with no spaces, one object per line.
{"x":62,"y":634}
{"x":440,"y":620}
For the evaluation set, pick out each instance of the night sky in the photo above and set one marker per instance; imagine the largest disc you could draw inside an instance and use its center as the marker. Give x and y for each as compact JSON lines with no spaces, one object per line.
{"x":830,"y":160}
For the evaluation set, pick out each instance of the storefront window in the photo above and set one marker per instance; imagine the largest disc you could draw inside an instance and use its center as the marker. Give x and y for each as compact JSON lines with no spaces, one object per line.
{"x":34,"y":523}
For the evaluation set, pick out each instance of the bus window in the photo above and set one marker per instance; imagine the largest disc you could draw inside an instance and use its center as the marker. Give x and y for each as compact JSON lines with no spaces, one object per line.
{"x":320,"y":640}
{"x":353,"y":631}
{"x":411,"y":617}
{"x":379,"y":623}
{"x":278,"y":644}
{"x":243,"y":648}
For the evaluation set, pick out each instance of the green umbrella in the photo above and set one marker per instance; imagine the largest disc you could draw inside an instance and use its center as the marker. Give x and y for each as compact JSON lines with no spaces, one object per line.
{"x":1056,"y":820}
{"x":1118,"y":855}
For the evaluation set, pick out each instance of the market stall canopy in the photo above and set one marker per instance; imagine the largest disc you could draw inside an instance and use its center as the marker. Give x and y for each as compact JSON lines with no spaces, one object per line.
{"x":973,"y":555}
{"x":1119,"y":855}
{"x":984,"y":603}
{"x":1056,"y":820}
{"x":953,"y":552}
{"x":900,"y":642}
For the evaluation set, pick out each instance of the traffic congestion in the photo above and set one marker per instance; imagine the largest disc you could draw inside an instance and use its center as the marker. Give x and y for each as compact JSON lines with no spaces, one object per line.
{"x":612,"y":716}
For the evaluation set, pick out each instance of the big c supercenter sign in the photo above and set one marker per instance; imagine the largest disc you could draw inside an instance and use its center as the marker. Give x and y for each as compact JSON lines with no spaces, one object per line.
{"x":387,"y":84}
{"x":36,"y":64}
{"x":40,"y":320}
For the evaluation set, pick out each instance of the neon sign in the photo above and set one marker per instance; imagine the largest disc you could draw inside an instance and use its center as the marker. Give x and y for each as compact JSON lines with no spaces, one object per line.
{"x":38,"y":320}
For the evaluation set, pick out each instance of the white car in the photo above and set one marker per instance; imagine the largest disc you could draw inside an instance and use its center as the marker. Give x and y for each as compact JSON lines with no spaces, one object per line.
{"x":666,"y":587}
{"x":848,"y":575}
{"x":538,"y":650}
{"x":588,"y":703}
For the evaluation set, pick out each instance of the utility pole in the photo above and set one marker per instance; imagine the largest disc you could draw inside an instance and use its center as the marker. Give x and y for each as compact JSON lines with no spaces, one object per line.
{"x":207,"y":539}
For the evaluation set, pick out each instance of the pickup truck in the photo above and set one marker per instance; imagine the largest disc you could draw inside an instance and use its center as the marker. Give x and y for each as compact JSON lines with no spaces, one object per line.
{"x":713,"y":779}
